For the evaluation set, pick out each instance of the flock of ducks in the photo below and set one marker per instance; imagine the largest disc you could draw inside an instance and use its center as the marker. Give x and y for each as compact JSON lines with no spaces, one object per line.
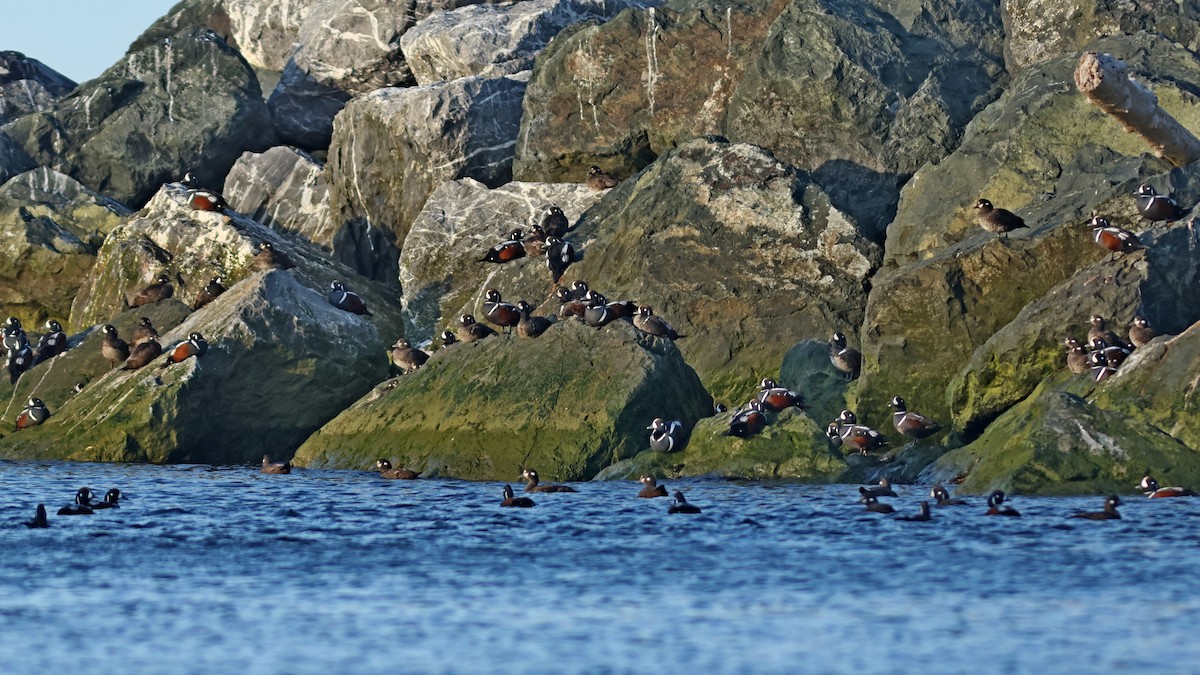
{"x":84,"y":505}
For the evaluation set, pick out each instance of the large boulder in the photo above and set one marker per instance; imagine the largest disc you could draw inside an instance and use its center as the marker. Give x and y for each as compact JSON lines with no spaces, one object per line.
{"x":393,"y":147}
{"x":185,"y":103}
{"x":28,"y":85}
{"x":440,"y":270}
{"x":211,"y":14}
{"x":13,"y":158}
{"x":266,"y":31}
{"x":285,"y":189}
{"x":50,"y":230}
{"x":568,"y":404}
{"x":281,"y":361}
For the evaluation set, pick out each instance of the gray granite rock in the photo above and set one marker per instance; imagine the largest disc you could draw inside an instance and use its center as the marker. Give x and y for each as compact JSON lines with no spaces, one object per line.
{"x":28,"y":85}
{"x":285,"y":189}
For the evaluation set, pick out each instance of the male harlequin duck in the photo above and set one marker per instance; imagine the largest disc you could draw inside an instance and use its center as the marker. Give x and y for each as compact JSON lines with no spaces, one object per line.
{"x":1109,"y":512}
{"x":598,"y":179}
{"x":598,"y":313}
{"x":142,"y":332}
{"x":268,"y":258}
{"x":858,"y":437}
{"x":568,"y":306}
{"x":846,"y":359}
{"x":512,"y":500}
{"x":883,"y":489}
{"x":997,"y":507}
{"x":921,"y":516}
{"x":386,"y":471}
{"x":499,"y":313}
{"x":681,"y":505}
{"x":39,"y":518}
{"x":18,"y":361}
{"x":531,"y":484}
{"x":113,"y":348}
{"x":448,"y":338}
{"x":469,"y":331}
{"x":1098,"y":330}
{"x":874,"y":506}
{"x":559,"y":256}
{"x":943,"y":498}
{"x":1101,"y":369}
{"x":111,"y":500}
{"x":211,"y":291}
{"x":14,"y":334}
{"x":999,"y":221}
{"x":407,"y":357}
{"x":1077,"y":357}
{"x":52,"y":343}
{"x":506,"y":251}
{"x":530,"y":326}
{"x":749,"y":421}
{"x":35,"y":413}
{"x":1155,"y":207}
{"x":161,"y":289}
{"x":201,"y":199}
{"x":579,"y":289}
{"x":1115,"y":239}
{"x":142,"y":354}
{"x":554,"y":222}
{"x":1140,"y":332}
{"x":651,"y":488}
{"x":275,"y":467}
{"x":82,"y":505}
{"x":1153,"y":491}
{"x":911,"y":424}
{"x":647,"y":322}
{"x":1115,"y":355}
{"x":776,"y":398}
{"x":664,"y":436}
{"x":347,"y":300}
{"x":195,"y":345}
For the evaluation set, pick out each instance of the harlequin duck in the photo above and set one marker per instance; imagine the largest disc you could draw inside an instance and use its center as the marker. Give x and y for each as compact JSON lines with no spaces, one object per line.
{"x":275,"y":467}
{"x":847,"y":417}
{"x":201,"y":199}
{"x":883,"y":489}
{"x":647,"y":322}
{"x":35,"y":413}
{"x":142,"y":354}
{"x":568,"y":306}
{"x":1114,"y":355}
{"x":512,"y":500}
{"x":651,"y":488}
{"x":268,"y":258}
{"x":749,"y":421}
{"x":943,"y":498}
{"x":448,"y":338}
{"x":579,"y":289}
{"x":531,"y":484}
{"x":921,"y":516}
{"x":1155,"y":207}
{"x":597,"y":313}
{"x":386,"y":471}
{"x":82,"y":505}
{"x":598,"y":179}
{"x":407,"y":357}
{"x":1109,"y":512}
{"x":347,"y":300}
{"x":52,"y":343}
{"x":142,"y":332}
{"x":559,"y":256}
{"x":161,"y":289}
{"x":858,"y":437}
{"x":681,"y":505}
{"x":14,"y":334}
{"x":39,"y":518}
{"x":1101,"y":370}
{"x":999,"y":221}
{"x":469,"y":331}
{"x":534,"y":241}
{"x":911,"y":424}
{"x":664,"y":436}
{"x":1153,"y":491}
{"x":530,"y":326}
{"x":500,"y":313}
{"x":111,"y":500}
{"x":1140,"y":332}
{"x":114,"y":349}
{"x":195,"y":345}
{"x":1099,"y":330}
{"x":846,"y":359}
{"x":874,"y":506}
{"x":996,"y":506}
{"x":776,"y":398}
{"x":1113,"y":238}
{"x":554,"y":222}
{"x":18,"y":361}
{"x":213,"y":289}
{"x":1077,"y":357}
{"x":507,"y":250}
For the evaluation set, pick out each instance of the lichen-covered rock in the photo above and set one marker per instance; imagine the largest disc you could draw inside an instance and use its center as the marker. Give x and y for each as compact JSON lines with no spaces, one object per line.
{"x":493,"y":40}
{"x":440,"y":270}
{"x":807,"y":370}
{"x":281,"y":361}
{"x":50,"y":230}
{"x":568,"y":404}
{"x":28,"y":85}
{"x":285,"y":189}
{"x":185,"y":103}
{"x":393,"y":147}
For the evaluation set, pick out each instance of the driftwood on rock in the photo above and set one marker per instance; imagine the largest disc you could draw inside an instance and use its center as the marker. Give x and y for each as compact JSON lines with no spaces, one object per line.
{"x":1105,"y":80}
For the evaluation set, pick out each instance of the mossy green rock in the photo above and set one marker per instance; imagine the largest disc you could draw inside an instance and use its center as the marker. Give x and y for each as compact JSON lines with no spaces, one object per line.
{"x":568,"y":404}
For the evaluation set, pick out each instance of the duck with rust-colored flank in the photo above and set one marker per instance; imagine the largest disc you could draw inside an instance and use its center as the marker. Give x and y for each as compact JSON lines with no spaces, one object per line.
{"x":512,"y":500}
{"x":999,"y":221}
{"x":1156,"y":208}
{"x":35,"y":413}
{"x":776,"y":398}
{"x":345,"y":300}
{"x":1113,"y":238}
{"x":275,"y":467}
{"x":142,"y":332}
{"x":1140,"y":332}
{"x":855,"y":436}
{"x":470,"y":331}
{"x":531,"y":484}
{"x":911,"y":424}
{"x":82,"y":505}
{"x":499,"y":313}
{"x":651,"y":488}
{"x":568,"y":305}
{"x":386,"y":471}
{"x":554,"y":222}
{"x":646,"y":321}
{"x":665,"y":436}
{"x":195,"y":345}
{"x":407,"y":357}
{"x":161,"y":289}
{"x":1153,"y":491}
{"x":922,"y":514}
{"x":530,"y":326}
{"x":506,"y":251}
{"x":598,"y":179}
{"x":142,"y":354}
{"x":1109,"y":513}
{"x":559,"y":256}
{"x":881,"y":489}
{"x":846,"y":359}
{"x":997,"y":507}
{"x":748,"y":421}
{"x":39,"y":518}
{"x":268,"y":258}
{"x":1077,"y":357}
{"x":942,"y":497}
{"x":52,"y":343}
{"x":211,"y":291}
{"x":113,"y":348}
{"x":873,"y":505}
{"x":202,"y":199}
{"x":681,"y":505}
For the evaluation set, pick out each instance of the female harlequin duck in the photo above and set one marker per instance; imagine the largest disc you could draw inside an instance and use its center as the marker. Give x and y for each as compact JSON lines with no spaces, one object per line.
{"x":1109,"y":512}
{"x":664,"y":436}
{"x":942,"y":495}
{"x":407,"y":357}
{"x":161,"y":289}
{"x":506,"y":251}
{"x":195,"y":345}
{"x":1153,"y":491}
{"x":554,"y":222}
{"x":275,"y":467}
{"x":39,"y":518}
{"x":911,"y":424}
{"x":1077,"y":357}
{"x":921,"y":516}
{"x":651,"y":488}
{"x":52,"y":343}
{"x":568,"y":305}
{"x":1155,"y":207}
{"x":749,"y":421}
{"x":469,"y":331}
{"x":1140,"y":332}
{"x":776,"y":398}
{"x":874,"y":506}
{"x":142,"y":354}
{"x":35,"y":413}
{"x":846,"y":359}
{"x":347,"y":300}
{"x":996,"y":506}
{"x":114,"y":349}
{"x":142,"y":332}
{"x":559,"y":256}
{"x":531,"y":484}
{"x":598,"y":179}
{"x":211,"y":291}
{"x":681,"y":505}
{"x":511,"y":500}
{"x":1113,"y":238}
{"x":999,"y":221}
{"x":111,"y":500}
{"x":386,"y":471}
{"x":268,"y":258}
{"x":82,"y":505}
{"x":500,"y":313}
{"x":647,"y":322}
{"x":530,"y":326}
{"x":883,"y":489}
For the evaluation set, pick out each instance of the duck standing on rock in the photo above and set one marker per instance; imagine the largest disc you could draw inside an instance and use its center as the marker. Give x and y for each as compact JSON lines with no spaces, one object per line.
{"x":911,"y":424}
{"x":275,"y":467}
{"x":160,"y":290}
{"x":1098,"y":330}
{"x":113,"y":348}
{"x":14,"y":334}
{"x":211,"y":291}
{"x":776,"y":398}
{"x":1140,"y":332}
{"x":999,"y":221}
{"x":268,"y":258}
{"x":559,"y":256}
{"x":345,"y":300}
{"x":554,"y":222}
{"x":35,"y":413}
{"x":500,"y":313}
{"x":202,"y":199}
{"x":1077,"y":357}
{"x":846,"y":359}
{"x":52,"y":343}
{"x":664,"y":436}
{"x":195,"y":345}
{"x":530,"y":326}
{"x":407,"y":357}
{"x":1155,"y":207}
{"x":469,"y":331}
{"x":1113,"y":238}
{"x":18,"y":360}
{"x":648,"y":323}
{"x":143,"y":332}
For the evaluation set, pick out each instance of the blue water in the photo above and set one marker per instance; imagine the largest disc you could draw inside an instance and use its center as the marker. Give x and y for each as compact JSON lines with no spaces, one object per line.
{"x":224,"y":569}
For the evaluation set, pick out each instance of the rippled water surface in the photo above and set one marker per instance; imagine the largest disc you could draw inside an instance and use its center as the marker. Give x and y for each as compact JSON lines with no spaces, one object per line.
{"x":212,"y":570}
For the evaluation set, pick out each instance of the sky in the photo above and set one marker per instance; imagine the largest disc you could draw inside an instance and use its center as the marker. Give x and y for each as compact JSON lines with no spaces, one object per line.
{"x":78,"y":38}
